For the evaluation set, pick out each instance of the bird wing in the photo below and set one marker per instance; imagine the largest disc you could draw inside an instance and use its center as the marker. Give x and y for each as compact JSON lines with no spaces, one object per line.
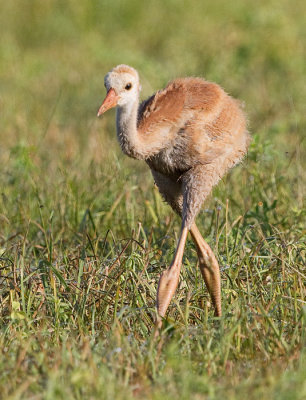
{"x":161,"y":110}
{"x":202,"y":95}
{"x":179,"y":102}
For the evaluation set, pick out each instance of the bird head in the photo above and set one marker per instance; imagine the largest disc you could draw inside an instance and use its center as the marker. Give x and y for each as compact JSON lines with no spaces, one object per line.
{"x":122,"y":85}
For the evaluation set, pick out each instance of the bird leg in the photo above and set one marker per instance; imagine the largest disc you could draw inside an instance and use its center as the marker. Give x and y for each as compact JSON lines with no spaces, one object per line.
{"x":186,"y":197}
{"x":169,"y":279}
{"x":209,"y":268}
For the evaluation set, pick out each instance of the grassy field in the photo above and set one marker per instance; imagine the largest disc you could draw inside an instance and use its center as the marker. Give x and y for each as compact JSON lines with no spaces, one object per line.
{"x":84,"y":235}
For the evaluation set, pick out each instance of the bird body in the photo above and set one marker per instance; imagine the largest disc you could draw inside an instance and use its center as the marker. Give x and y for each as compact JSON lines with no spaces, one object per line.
{"x":203,"y":125}
{"x":189,"y":133}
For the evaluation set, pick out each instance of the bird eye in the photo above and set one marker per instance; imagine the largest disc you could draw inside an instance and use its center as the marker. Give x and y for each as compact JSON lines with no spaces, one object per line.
{"x":128,"y":86}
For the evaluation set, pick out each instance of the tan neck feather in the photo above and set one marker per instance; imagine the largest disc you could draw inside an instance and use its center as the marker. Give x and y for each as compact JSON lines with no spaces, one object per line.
{"x":127,"y":133}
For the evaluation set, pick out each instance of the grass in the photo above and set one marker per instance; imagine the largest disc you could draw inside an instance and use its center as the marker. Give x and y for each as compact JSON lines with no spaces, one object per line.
{"x":84,"y":234}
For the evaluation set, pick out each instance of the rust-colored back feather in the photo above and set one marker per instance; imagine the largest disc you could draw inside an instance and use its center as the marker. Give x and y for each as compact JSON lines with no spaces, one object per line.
{"x":201,"y":95}
{"x":164,"y":107}
{"x":179,"y":97}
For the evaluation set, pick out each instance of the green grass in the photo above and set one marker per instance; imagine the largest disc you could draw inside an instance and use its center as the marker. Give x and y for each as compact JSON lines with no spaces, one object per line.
{"x":84,"y":234}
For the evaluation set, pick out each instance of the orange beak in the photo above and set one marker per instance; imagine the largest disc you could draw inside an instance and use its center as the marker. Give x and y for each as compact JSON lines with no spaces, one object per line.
{"x":110,"y":101}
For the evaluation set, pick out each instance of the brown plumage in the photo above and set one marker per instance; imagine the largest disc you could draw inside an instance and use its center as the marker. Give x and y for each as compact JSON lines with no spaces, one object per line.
{"x":189,"y":134}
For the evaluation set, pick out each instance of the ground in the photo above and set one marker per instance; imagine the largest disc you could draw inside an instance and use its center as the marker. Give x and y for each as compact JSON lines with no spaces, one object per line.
{"x":84,"y":235}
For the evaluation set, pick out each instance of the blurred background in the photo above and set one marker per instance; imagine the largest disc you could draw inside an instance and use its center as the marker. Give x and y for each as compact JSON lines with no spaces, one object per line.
{"x":54,"y":55}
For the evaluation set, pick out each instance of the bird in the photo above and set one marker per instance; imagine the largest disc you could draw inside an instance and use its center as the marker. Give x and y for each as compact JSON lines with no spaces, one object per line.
{"x":189,"y":134}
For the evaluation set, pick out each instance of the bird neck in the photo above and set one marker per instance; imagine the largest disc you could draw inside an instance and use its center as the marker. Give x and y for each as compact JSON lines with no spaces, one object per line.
{"x":128,"y":136}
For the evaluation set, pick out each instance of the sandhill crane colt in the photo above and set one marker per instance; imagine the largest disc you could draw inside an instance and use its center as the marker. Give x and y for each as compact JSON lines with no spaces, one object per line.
{"x":189,"y":134}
